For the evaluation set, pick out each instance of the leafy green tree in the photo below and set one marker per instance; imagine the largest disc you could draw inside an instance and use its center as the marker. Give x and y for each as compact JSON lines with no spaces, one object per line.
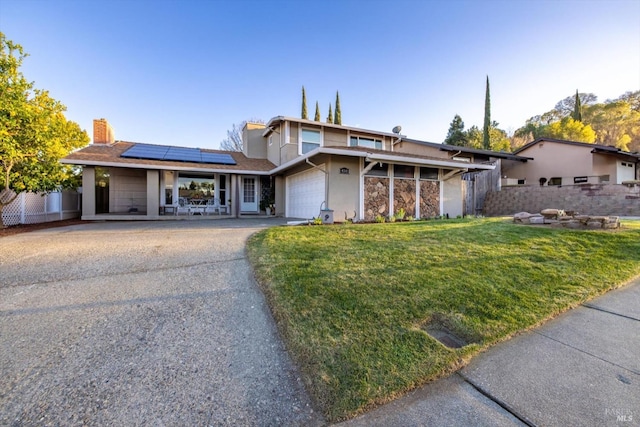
{"x":633,"y":98}
{"x":317,"y":116}
{"x":338,"y":116}
{"x":330,"y":116}
{"x":570,"y":130}
{"x":34,"y":133}
{"x":577,"y":109}
{"x":616,"y":123}
{"x":456,"y":134}
{"x":486,"y":140}
{"x":304,"y":114}
{"x":498,"y":139}
{"x":474,"y":137}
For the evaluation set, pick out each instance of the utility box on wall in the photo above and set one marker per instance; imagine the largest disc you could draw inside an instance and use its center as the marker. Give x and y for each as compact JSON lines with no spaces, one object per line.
{"x":327,"y":216}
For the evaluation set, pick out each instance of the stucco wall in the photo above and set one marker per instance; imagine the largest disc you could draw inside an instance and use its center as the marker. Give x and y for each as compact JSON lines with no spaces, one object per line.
{"x":560,"y":160}
{"x":586,"y":199}
{"x":343,"y":188}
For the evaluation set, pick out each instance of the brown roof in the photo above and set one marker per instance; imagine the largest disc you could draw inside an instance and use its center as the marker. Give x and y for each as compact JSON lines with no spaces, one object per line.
{"x":403,"y":154}
{"x":109,"y":155}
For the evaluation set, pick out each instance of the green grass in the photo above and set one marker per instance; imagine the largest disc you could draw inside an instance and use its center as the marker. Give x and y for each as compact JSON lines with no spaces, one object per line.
{"x":351,"y":301}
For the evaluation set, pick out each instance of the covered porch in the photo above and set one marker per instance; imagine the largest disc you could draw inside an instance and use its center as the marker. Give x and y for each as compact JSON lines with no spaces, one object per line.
{"x":116,"y":193}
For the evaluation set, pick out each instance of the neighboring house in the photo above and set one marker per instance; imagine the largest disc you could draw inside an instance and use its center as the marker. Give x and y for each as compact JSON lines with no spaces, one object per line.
{"x":306,"y":165}
{"x":560,"y":162}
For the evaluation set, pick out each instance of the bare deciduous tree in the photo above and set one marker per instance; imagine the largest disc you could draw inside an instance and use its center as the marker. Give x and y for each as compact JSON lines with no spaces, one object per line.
{"x":233,"y":141}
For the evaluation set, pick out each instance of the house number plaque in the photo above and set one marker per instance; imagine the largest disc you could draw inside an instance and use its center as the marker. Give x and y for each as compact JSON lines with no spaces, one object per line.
{"x":344,"y":171}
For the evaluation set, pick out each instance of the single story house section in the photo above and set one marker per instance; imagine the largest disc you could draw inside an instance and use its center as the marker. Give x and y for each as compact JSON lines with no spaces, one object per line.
{"x":560,"y":162}
{"x":298,"y":166}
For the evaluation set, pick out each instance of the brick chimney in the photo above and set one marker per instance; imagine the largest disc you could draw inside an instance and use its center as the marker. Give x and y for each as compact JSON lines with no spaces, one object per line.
{"x":102,"y":132}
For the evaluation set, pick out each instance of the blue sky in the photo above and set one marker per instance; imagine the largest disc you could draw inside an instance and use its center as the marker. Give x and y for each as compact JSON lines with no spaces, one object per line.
{"x":182,"y":72}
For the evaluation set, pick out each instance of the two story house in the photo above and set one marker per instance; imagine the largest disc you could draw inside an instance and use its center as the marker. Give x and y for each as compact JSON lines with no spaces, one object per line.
{"x":300,"y":166}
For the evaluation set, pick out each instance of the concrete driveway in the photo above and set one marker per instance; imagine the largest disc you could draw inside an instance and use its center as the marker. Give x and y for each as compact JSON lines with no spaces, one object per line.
{"x":145,"y":323}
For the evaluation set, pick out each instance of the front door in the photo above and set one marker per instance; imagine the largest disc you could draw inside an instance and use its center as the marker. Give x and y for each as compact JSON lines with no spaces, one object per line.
{"x":249,"y":196}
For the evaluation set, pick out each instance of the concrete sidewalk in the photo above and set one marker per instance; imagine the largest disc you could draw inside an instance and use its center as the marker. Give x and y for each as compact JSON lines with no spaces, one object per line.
{"x":580,"y":369}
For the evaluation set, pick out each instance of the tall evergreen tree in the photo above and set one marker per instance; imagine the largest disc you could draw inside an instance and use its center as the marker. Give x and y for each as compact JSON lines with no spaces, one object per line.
{"x":304,"y":105}
{"x":330,"y":116}
{"x":577,"y":109}
{"x":338,"y":117}
{"x":486,"y":139}
{"x":456,"y":134}
{"x":317,"y":116}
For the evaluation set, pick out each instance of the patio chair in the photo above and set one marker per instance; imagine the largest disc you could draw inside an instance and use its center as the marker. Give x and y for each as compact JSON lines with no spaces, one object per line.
{"x":213,"y":206}
{"x":183,"y":206}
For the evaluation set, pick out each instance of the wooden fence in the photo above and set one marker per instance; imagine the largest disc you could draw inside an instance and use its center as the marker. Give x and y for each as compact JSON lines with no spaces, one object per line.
{"x":476,"y":185}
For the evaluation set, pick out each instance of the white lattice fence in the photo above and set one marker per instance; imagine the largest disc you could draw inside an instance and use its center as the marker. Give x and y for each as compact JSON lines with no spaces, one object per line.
{"x":32,"y":208}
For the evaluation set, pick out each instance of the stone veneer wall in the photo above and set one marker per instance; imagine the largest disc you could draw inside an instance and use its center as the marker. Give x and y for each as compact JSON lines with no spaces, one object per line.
{"x":429,"y":199}
{"x":590,"y":199}
{"x":404,"y":196}
{"x":376,"y":197}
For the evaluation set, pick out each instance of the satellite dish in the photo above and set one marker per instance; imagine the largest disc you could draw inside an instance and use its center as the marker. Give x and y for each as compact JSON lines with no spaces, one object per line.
{"x":396,"y":129}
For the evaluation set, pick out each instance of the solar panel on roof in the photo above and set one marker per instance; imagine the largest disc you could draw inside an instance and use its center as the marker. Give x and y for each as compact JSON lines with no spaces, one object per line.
{"x":222,"y":159}
{"x":177,"y":154}
{"x":143,"y":151}
{"x":183,"y":154}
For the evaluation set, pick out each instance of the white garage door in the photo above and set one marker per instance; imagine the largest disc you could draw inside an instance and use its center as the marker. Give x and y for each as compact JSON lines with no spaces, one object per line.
{"x":305,"y":194}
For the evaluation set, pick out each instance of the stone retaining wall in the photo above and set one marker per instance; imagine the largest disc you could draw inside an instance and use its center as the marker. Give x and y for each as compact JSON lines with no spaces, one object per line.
{"x":594,"y":199}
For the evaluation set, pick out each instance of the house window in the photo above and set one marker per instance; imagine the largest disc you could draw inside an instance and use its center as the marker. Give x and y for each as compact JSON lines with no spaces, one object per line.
{"x":310,"y":140}
{"x":403,"y":171}
{"x":378,"y":169}
{"x":429,"y":173}
{"x":222,"y":179}
{"x":270,"y":140}
{"x":196,"y":186}
{"x":555,"y":181}
{"x":359,"y":141}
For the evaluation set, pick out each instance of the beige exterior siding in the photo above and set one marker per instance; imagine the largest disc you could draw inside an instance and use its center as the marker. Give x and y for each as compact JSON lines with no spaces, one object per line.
{"x":127,"y":189}
{"x":289,"y":151}
{"x":335,"y":138}
{"x":566,"y":161}
{"x":254,"y":145}
{"x":419,"y":149}
{"x":343,"y":189}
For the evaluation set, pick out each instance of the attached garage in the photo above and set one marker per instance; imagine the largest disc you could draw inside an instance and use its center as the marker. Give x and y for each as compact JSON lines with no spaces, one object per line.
{"x":305,"y":194}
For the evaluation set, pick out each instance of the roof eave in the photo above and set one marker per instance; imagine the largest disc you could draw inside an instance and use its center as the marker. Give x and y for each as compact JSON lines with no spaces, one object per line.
{"x":160,"y":167}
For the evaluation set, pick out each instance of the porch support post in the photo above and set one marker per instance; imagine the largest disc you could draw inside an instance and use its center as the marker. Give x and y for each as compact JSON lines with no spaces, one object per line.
{"x":163,"y":197}
{"x":153,"y":199}
{"x":88,"y":191}
{"x":176,"y":190}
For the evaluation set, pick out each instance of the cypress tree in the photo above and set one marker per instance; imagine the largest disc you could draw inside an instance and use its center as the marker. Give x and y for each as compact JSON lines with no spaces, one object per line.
{"x":304,"y":105}
{"x":338,"y":117}
{"x":486,"y":142}
{"x":577,"y":109}
{"x":330,"y":116}
{"x":317,"y":117}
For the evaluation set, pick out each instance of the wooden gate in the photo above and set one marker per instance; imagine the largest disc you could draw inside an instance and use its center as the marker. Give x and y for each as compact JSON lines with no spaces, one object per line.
{"x":476,"y":185}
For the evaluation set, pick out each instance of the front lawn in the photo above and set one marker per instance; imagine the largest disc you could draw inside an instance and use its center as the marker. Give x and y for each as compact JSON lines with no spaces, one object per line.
{"x":353,"y":302}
